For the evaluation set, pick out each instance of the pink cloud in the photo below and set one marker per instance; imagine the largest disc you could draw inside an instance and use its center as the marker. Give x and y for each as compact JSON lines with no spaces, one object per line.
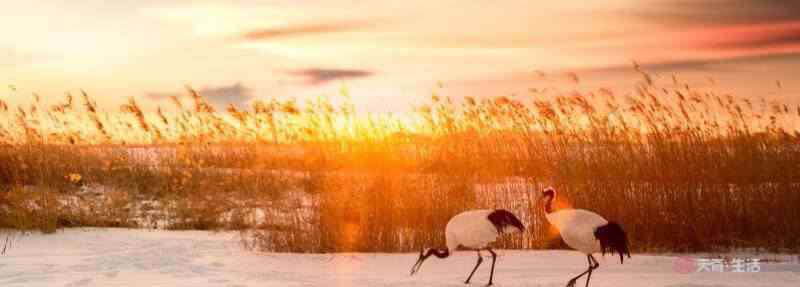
{"x":744,"y":40}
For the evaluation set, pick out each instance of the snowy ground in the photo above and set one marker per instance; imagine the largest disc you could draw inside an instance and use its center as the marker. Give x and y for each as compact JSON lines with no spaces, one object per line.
{"x":123,"y":257}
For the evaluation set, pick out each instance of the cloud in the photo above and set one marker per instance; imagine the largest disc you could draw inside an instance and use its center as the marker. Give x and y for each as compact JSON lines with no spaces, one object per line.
{"x":219,"y":96}
{"x":304,"y":30}
{"x":702,"y":65}
{"x":720,"y":12}
{"x":737,"y":41}
{"x":728,"y":28}
{"x":318,"y":76}
{"x":765,"y":37}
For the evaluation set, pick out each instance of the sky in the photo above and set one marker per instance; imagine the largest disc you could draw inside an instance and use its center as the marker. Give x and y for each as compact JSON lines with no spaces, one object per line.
{"x":389,"y":55}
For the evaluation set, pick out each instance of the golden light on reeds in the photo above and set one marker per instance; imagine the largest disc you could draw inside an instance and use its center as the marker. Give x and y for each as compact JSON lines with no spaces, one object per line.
{"x":649,"y":110}
{"x":74,"y":177}
{"x":351,"y":233}
{"x":373,"y":182}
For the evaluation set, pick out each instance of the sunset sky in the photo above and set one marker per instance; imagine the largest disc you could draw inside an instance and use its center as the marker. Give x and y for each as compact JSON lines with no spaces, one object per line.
{"x":389,"y":54}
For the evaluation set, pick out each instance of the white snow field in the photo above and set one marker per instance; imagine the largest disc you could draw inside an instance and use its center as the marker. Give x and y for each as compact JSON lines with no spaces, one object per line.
{"x":128,"y":257}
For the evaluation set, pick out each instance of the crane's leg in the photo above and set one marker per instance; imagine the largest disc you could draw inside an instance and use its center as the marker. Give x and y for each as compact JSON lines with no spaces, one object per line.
{"x":572,"y":281}
{"x":593,"y":264}
{"x":480,"y":260}
{"x":494,"y":258}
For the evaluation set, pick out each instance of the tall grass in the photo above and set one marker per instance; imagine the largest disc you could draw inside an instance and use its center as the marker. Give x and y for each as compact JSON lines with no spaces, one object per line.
{"x":681,"y":168}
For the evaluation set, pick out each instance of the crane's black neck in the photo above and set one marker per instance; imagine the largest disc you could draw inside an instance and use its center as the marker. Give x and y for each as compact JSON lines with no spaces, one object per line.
{"x":425,"y":253}
{"x":440,"y":253}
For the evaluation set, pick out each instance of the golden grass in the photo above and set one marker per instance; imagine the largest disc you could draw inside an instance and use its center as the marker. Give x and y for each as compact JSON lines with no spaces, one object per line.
{"x":680,"y":168}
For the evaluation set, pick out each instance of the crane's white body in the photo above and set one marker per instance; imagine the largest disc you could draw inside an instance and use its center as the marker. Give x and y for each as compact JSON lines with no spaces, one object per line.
{"x":577,"y":227}
{"x":471,"y":229}
{"x":475,"y":230}
{"x":587,"y":232}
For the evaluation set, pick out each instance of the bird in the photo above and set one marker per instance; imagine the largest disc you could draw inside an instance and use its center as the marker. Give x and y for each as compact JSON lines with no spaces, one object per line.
{"x":473,"y":230}
{"x":586,"y":232}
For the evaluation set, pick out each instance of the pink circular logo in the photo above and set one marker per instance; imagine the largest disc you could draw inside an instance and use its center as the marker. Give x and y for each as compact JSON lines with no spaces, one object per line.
{"x":685,"y":265}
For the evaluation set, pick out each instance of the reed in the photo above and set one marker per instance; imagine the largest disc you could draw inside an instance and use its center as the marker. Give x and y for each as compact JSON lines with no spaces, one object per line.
{"x":682,"y":168}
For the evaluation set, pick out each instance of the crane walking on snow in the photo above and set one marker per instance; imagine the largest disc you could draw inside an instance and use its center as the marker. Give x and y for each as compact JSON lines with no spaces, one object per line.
{"x":587,"y":232}
{"x":473,"y":230}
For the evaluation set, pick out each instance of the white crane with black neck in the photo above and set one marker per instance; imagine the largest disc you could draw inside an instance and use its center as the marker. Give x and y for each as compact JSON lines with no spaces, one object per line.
{"x":473,"y":230}
{"x":585,"y":231}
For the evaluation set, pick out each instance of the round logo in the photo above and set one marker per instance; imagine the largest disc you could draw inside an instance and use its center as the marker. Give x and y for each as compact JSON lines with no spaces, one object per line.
{"x":685,"y":265}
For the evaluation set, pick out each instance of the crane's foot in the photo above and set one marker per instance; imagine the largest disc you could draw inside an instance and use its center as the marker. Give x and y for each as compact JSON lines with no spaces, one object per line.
{"x":490,"y":284}
{"x":571,"y":282}
{"x":466,"y":282}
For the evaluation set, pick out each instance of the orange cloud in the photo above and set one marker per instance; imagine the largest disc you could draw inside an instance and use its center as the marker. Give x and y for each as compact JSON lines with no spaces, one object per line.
{"x":745,"y":40}
{"x":317,"y":76}
{"x":304,"y":30}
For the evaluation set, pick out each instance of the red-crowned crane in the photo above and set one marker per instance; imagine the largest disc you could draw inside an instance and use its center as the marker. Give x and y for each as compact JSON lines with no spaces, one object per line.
{"x":585,"y":231}
{"x":473,"y":230}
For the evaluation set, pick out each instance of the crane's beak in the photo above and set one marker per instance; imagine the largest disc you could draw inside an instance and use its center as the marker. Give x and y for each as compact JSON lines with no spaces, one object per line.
{"x":418,"y":264}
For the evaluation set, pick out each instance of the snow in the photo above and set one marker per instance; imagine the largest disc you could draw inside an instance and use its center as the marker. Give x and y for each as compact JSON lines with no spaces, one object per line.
{"x":131,"y":257}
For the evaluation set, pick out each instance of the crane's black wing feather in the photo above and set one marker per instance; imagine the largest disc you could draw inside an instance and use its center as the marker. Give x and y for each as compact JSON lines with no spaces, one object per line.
{"x":613,"y":239}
